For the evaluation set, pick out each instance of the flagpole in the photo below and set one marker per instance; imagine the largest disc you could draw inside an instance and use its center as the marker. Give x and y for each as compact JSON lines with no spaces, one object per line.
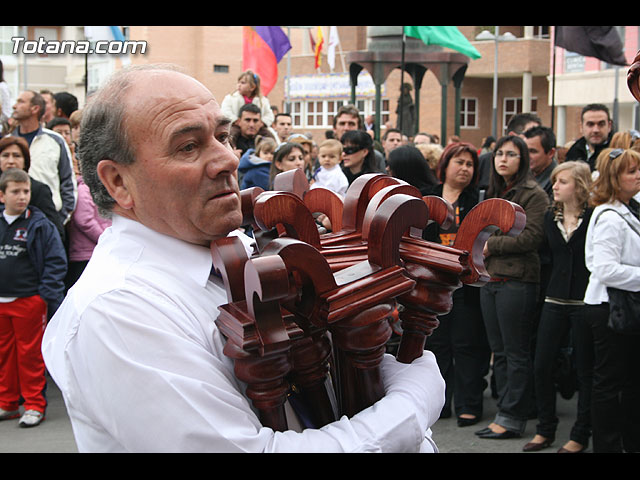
{"x":553,"y":84}
{"x":288,"y":94}
{"x":86,"y":75}
{"x":494,"y":116}
{"x":404,"y":38}
{"x":616,"y":105}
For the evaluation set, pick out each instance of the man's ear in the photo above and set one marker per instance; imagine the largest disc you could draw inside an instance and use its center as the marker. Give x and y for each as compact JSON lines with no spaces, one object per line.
{"x":112,"y":176}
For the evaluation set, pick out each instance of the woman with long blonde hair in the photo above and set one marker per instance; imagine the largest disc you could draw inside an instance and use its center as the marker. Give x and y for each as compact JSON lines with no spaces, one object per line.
{"x":563,"y":312}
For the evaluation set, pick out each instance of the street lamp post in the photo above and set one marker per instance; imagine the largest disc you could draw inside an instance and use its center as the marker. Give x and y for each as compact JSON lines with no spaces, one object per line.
{"x":486,"y":35}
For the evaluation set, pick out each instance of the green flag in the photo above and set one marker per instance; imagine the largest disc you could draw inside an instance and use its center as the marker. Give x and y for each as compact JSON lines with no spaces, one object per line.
{"x":445,"y":37}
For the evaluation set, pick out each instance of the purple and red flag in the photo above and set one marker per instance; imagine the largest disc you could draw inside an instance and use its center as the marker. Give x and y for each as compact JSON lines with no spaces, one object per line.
{"x":262,"y":49}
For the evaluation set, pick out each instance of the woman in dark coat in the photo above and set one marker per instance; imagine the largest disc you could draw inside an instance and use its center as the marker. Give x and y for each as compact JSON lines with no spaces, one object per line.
{"x":508,"y":300}
{"x":460,"y":341}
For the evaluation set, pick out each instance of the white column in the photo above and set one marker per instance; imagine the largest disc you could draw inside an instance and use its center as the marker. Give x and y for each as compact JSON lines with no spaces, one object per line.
{"x":561,"y":125}
{"x":527,"y":87}
{"x":527,"y":77}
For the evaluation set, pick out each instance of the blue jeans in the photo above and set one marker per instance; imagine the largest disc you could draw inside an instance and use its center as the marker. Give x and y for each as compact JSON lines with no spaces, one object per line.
{"x":507,"y":309}
{"x":555,"y":323}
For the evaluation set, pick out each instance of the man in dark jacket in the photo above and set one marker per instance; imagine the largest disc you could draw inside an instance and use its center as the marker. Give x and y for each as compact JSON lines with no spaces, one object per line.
{"x":541,"y":142}
{"x":245,"y":129}
{"x":596,"y":129}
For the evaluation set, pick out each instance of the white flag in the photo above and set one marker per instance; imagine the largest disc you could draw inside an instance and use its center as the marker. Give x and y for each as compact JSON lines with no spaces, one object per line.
{"x":334,"y":41}
{"x":109,"y":33}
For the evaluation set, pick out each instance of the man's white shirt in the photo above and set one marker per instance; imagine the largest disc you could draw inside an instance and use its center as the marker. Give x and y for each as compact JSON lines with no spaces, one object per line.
{"x":136,"y":353}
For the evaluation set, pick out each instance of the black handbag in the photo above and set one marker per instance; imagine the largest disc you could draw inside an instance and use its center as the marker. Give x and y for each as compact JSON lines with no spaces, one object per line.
{"x":624,"y":311}
{"x":624,"y":306}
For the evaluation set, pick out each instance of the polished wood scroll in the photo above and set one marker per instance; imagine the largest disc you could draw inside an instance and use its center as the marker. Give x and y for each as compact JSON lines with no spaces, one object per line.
{"x":310,"y":313}
{"x":633,"y":77}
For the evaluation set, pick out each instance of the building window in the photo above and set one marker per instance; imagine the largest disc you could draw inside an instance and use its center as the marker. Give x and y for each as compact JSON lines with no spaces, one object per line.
{"x":469,"y":113}
{"x":541,"y":32}
{"x":315,"y":114}
{"x":98,"y":71}
{"x":46,"y":33}
{"x":368,"y":107}
{"x":296,"y":114}
{"x":320,"y":113}
{"x":6,"y":44}
{"x":221,"y":69}
{"x":332,"y":108}
{"x":512,"y":106}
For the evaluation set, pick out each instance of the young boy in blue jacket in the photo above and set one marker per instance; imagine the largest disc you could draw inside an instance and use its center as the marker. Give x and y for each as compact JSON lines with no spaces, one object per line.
{"x":33,"y":265}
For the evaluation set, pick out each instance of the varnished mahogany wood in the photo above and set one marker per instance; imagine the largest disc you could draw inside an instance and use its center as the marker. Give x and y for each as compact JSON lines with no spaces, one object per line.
{"x":310,"y":304}
{"x":633,"y":77}
{"x":259,"y":339}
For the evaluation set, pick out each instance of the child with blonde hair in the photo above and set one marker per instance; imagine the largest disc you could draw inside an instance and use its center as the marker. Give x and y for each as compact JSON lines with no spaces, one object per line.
{"x":329,"y":174}
{"x":248,"y":91}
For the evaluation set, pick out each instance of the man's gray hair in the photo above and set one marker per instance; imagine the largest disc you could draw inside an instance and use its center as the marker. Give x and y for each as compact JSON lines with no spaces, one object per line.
{"x":104,"y":132}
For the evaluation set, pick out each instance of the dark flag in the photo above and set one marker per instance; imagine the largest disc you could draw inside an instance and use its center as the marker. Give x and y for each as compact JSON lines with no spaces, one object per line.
{"x":592,"y":41}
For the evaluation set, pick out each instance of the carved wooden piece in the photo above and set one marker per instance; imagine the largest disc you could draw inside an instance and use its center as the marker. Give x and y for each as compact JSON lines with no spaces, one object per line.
{"x":325,"y":201}
{"x":342,"y":286}
{"x":633,"y":77}
{"x":348,"y":306}
{"x":247,"y":199}
{"x":310,"y":276}
{"x":439,"y":270}
{"x":478,"y":225}
{"x":354,"y":304}
{"x":259,"y":339}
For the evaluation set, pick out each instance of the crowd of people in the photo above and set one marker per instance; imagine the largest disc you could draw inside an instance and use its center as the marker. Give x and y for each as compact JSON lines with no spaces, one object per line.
{"x":535,"y":316}
{"x":49,"y":228}
{"x":546,"y":302}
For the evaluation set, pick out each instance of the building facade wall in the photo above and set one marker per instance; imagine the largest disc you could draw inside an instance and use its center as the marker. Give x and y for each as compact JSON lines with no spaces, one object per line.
{"x":213,"y":54}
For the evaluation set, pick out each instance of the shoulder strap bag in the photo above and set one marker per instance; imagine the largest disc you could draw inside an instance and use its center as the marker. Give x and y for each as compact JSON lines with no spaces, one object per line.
{"x":624,"y":306}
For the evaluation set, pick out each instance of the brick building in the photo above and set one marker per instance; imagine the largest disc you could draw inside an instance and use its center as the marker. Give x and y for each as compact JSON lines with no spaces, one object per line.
{"x":213,"y":54}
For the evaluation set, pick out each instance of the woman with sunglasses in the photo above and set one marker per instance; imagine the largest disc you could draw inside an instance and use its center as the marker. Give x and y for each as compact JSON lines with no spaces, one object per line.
{"x":611,"y":255}
{"x":508,"y":300}
{"x":358,"y":155}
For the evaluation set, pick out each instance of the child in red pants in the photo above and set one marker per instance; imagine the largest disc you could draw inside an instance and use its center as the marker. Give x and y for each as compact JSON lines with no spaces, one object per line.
{"x":32,"y":269}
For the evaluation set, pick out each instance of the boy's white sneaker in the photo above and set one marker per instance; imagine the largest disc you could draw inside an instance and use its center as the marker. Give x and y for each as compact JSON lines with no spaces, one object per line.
{"x":8,"y":414}
{"x":31,"y":418}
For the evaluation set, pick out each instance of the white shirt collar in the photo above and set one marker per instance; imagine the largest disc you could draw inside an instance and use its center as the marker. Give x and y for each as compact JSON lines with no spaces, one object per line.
{"x":187,"y":258}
